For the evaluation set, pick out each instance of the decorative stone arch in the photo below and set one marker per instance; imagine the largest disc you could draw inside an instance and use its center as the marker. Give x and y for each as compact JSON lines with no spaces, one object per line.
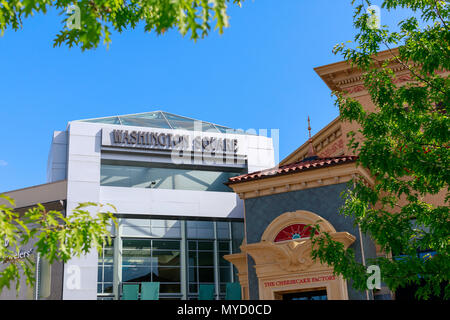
{"x":286,"y":266}
{"x":291,"y":218}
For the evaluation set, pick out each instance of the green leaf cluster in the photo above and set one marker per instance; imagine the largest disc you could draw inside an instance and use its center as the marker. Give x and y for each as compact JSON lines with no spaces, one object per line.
{"x":52,"y":235}
{"x":100,"y":17}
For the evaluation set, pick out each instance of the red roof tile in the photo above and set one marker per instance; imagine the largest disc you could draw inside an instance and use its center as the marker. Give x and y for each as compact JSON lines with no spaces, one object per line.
{"x":293,"y":168}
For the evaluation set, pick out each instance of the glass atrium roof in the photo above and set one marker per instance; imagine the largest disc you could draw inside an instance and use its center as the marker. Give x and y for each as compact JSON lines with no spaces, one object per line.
{"x":164,"y":120}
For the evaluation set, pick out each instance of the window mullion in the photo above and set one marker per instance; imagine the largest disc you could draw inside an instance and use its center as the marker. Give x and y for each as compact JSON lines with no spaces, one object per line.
{"x":216,"y":263}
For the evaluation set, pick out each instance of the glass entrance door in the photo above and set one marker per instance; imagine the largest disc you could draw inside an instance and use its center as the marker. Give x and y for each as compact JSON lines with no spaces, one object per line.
{"x":306,"y":295}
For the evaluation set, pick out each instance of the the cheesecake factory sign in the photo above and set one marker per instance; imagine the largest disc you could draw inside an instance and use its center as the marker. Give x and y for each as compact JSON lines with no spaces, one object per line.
{"x":282,"y":283}
{"x":168,"y":141}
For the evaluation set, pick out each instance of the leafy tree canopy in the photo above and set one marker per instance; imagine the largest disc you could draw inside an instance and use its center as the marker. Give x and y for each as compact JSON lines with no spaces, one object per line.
{"x":54,"y":237}
{"x":405,"y":146}
{"x":98,"y":17}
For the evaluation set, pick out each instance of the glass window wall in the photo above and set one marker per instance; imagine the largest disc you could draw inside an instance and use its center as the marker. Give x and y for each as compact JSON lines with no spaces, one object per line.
{"x":165,"y":178}
{"x":180,"y":254}
{"x":105,"y":271}
{"x":146,"y":260}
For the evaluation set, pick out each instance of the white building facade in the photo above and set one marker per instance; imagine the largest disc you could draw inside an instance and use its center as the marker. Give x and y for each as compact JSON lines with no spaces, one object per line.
{"x":165,"y":174}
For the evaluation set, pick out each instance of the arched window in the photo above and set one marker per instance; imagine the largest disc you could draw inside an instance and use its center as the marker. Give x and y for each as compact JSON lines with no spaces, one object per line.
{"x":294,"y":231}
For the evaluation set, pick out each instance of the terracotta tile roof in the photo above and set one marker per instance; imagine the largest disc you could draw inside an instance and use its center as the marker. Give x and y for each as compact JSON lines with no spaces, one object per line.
{"x":293,"y":168}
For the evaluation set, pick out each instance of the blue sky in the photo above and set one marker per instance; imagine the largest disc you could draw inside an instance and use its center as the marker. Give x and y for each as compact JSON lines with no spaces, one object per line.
{"x":258,"y":74}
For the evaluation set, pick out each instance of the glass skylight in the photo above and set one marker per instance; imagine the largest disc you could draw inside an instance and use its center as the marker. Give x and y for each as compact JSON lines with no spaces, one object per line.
{"x":165,"y":120}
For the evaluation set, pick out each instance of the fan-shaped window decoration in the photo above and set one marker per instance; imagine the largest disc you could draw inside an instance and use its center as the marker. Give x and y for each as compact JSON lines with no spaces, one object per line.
{"x":294,"y":231}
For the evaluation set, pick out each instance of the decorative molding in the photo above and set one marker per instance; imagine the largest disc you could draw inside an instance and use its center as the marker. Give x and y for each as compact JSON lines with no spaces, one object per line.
{"x":402,"y":78}
{"x":332,"y":149}
{"x":355,"y":89}
{"x":289,"y":256}
{"x":301,"y":180}
{"x":360,"y":87}
{"x":349,"y":80}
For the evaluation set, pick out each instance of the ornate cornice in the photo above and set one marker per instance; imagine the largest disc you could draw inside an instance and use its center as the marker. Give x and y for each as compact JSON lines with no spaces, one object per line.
{"x":301,"y":181}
